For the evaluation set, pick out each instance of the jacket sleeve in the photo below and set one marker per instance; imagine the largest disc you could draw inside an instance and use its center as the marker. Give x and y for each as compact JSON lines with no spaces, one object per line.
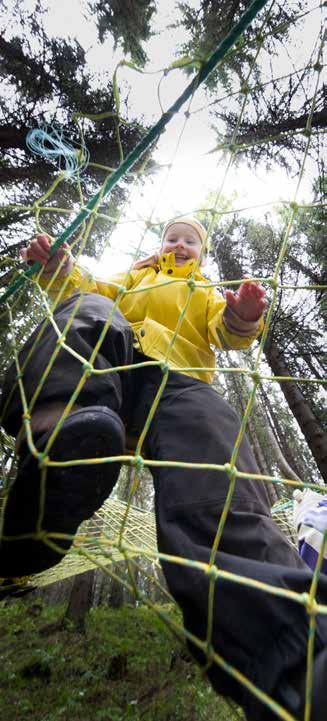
{"x":226,"y":329}
{"x":81,"y":280}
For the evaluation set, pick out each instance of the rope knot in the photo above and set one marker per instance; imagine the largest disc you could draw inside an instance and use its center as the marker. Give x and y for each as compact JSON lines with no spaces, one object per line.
{"x":212,"y":573}
{"x":87,"y":368}
{"x":138,"y":462}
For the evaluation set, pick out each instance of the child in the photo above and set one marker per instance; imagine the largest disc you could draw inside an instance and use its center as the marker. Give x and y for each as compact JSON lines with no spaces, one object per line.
{"x":310,"y":522}
{"x":263,"y":636}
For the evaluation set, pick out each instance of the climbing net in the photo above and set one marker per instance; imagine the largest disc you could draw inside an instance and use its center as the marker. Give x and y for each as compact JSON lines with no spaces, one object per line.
{"x":119,"y":531}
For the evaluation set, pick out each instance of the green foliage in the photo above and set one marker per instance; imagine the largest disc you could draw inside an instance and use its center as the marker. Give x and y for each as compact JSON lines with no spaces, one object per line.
{"x":274,"y":121}
{"x":309,"y":236}
{"x":206,"y":26}
{"x":126,"y":666}
{"x":128,"y":22}
{"x":209,"y":22}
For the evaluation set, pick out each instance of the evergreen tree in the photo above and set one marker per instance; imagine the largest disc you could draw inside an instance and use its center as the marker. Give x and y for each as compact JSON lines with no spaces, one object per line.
{"x":275,"y":119}
{"x":128,"y":22}
{"x":47,"y":79}
{"x":295,"y":342}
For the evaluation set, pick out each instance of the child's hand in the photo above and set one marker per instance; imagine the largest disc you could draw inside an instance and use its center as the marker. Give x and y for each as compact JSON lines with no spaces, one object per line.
{"x":150,"y":262}
{"x":248,"y":301}
{"x":39,"y":250}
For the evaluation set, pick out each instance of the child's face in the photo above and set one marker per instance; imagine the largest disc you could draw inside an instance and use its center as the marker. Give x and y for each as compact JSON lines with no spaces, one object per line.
{"x":183,"y":240}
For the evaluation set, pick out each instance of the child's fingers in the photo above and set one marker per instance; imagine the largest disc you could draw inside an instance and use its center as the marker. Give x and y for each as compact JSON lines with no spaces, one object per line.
{"x":43,"y":241}
{"x":257,"y":291}
{"x":264,"y":304}
{"x":252,"y":290}
{"x":28,"y":256}
{"x":37,"y":251}
{"x":230,"y":298}
{"x":33,"y":254}
{"x":150,"y":261}
{"x":248,"y":302}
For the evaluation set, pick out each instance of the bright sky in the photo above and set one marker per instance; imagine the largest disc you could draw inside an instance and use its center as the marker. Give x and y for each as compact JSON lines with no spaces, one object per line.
{"x":195,"y":171}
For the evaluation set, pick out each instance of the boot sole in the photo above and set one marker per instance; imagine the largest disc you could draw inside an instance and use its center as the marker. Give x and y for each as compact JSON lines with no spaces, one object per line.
{"x":72,"y":493}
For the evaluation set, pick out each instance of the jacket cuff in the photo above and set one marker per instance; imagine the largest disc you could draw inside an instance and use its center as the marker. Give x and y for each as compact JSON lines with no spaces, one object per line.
{"x":237,"y":325}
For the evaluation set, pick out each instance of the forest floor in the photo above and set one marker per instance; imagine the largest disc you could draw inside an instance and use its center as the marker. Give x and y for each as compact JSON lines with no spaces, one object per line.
{"x":125,"y":666}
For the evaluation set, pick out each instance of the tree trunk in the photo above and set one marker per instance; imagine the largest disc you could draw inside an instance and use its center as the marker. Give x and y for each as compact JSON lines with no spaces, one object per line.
{"x":279,"y":434}
{"x":306,"y":270}
{"x":13,"y":137}
{"x":262,"y":463}
{"x":257,"y":449}
{"x":285,"y":468}
{"x":309,"y":424}
{"x":116,"y":593}
{"x":80,"y":600}
{"x":33,"y":172}
{"x":55,"y":593}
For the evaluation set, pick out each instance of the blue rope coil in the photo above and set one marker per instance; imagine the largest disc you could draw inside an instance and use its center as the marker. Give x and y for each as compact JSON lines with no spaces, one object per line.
{"x":52,"y":143}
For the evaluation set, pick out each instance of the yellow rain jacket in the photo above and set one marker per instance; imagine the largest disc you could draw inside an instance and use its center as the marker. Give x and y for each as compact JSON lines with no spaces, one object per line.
{"x":174,"y":312}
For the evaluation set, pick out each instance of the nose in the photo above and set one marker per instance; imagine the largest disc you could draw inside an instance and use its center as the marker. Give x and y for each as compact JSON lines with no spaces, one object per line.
{"x":180,"y":243}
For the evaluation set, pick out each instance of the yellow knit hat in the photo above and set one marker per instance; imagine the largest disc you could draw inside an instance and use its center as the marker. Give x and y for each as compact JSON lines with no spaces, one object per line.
{"x":188,"y":220}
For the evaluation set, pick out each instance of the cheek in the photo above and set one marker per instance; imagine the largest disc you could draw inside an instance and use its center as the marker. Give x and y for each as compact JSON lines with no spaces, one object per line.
{"x":195,"y":252}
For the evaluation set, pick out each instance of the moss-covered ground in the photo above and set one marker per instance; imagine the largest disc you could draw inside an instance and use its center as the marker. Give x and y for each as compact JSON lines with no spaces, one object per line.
{"x":125,"y":666}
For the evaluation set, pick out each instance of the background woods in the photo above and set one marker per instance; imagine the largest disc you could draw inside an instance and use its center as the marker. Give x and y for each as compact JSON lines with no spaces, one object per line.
{"x":260,"y":107}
